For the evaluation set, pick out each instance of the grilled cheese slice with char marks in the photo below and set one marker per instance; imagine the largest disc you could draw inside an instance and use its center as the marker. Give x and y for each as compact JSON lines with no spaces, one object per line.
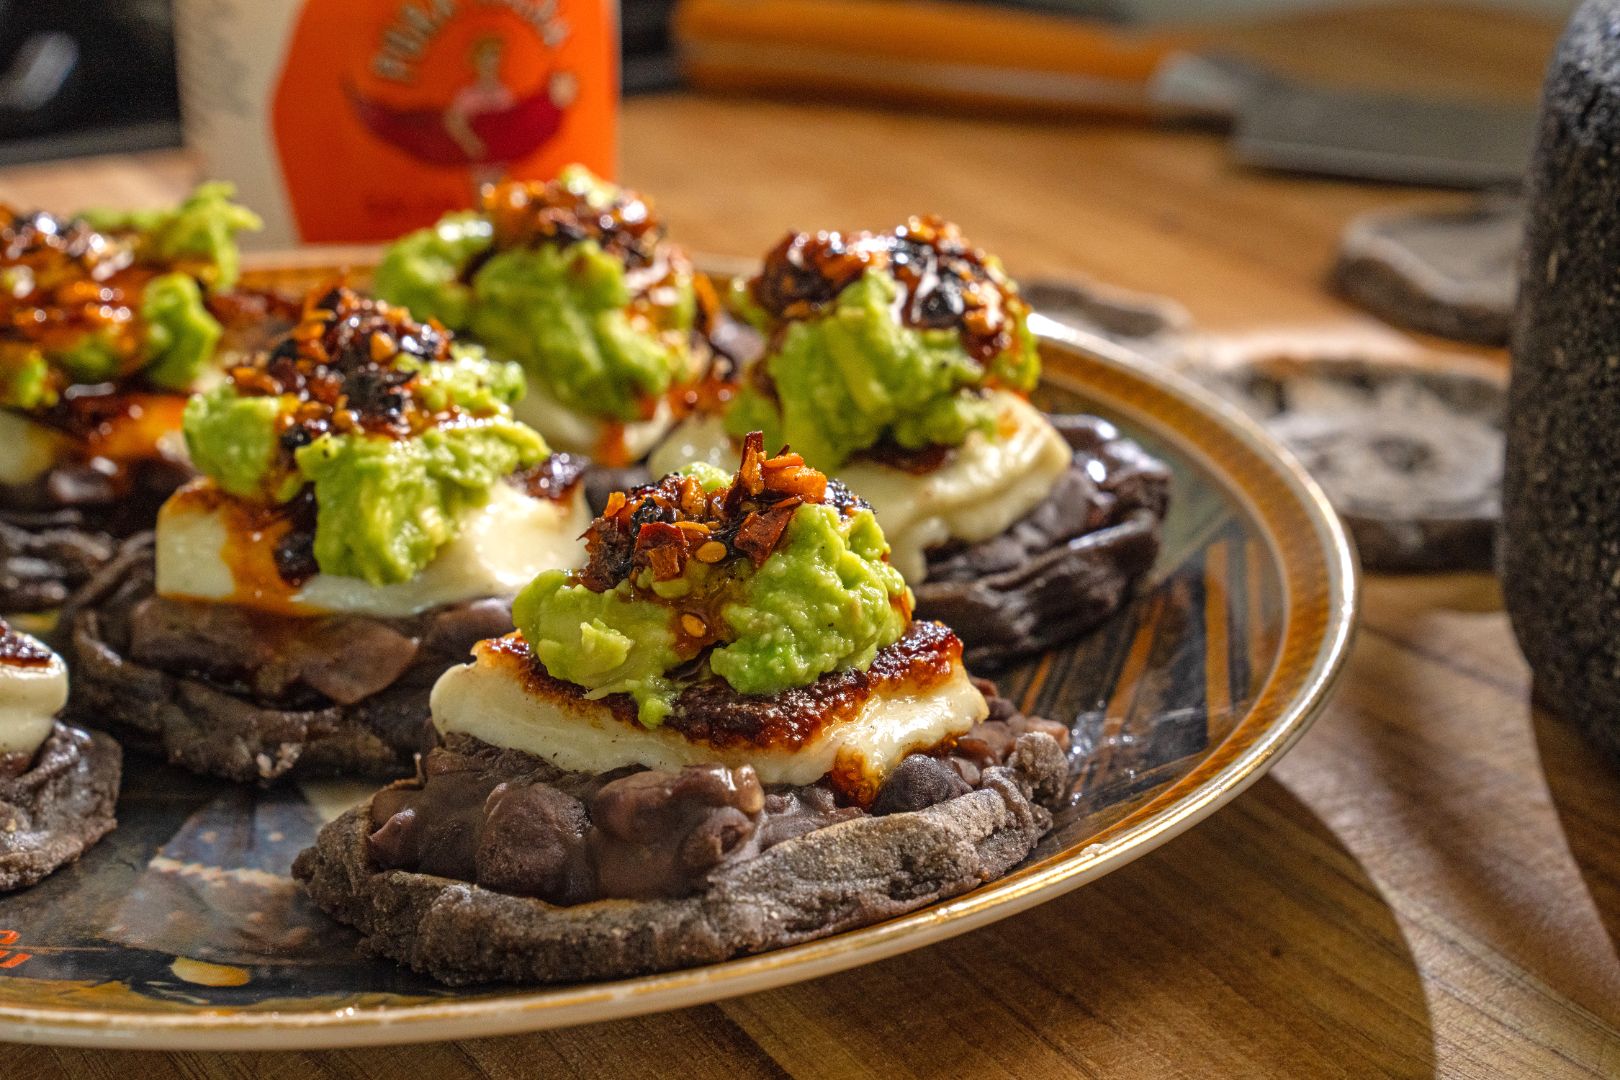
{"x":504,"y":699}
{"x":207,"y":552}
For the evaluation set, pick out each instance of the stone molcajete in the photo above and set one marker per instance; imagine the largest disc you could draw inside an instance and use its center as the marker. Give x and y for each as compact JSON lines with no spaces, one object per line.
{"x":1561,"y":500}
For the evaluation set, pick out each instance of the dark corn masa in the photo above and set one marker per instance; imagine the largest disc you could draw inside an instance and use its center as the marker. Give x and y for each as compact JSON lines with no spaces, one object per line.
{"x":253,"y":697}
{"x":1067,"y":565}
{"x":852,"y":872}
{"x":56,"y":803}
{"x":45,"y":556}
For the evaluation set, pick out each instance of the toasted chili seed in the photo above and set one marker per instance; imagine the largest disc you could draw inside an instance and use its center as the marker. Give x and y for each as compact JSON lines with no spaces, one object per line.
{"x":615,"y":503}
{"x":696,"y":527}
{"x":711,"y":552}
{"x":694,"y":626}
{"x":382,"y":347}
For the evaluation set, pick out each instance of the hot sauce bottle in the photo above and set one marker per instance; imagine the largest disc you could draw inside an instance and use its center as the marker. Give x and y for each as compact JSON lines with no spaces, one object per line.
{"x":359,"y":120}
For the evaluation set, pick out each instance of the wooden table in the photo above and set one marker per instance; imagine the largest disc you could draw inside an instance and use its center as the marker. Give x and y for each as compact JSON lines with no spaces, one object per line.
{"x":1428,"y":884}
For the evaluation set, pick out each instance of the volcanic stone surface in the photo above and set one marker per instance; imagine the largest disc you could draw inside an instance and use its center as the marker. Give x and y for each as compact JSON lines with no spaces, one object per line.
{"x":1561,"y":495}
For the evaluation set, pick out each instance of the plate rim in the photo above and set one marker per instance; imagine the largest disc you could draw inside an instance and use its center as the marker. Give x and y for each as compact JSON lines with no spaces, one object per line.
{"x":1183,"y":804}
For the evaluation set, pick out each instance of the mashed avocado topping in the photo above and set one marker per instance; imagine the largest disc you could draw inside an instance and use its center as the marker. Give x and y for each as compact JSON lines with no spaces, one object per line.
{"x":200,"y":233}
{"x":573,"y":279}
{"x":180,"y":333}
{"x":105,"y":297}
{"x":768,"y":579}
{"x":377,"y":434}
{"x":880,"y":340}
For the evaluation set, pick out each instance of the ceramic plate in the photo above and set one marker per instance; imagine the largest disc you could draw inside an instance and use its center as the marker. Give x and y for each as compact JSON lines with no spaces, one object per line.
{"x":183,"y":930}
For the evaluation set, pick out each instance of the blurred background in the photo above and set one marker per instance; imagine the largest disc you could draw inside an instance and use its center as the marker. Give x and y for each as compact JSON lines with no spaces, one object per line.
{"x":98,"y":76}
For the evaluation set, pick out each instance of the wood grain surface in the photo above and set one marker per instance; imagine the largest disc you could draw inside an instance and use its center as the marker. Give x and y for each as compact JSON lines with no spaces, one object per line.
{"x":1428,"y":885}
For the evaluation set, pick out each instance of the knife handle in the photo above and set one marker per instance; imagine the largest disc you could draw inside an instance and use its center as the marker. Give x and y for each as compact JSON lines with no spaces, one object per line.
{"x":927,"y":51}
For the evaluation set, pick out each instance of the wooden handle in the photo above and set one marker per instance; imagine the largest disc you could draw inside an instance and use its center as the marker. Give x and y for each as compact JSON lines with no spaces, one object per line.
{"x":923,"y":50}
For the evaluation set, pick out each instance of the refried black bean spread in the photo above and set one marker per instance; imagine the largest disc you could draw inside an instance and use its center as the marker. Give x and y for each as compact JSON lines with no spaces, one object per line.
{"x":509,"y":821}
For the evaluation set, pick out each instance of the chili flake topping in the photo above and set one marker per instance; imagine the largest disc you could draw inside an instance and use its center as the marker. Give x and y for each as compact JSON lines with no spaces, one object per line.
{"x":660,"y":526}
{"x":352,"y":364}
{"x":63,"y":280}
{"x":945,"y":283}
{"x":524,"y":213}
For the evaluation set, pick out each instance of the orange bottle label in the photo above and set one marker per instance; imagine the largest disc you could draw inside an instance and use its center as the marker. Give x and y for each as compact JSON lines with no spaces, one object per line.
{"x":389,"y":113}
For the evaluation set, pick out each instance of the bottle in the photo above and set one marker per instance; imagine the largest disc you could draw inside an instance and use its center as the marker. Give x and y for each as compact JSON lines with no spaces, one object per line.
{"x":358,"y":120}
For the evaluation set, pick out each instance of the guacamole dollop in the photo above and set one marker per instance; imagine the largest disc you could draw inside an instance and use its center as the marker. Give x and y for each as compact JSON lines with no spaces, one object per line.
{"x":823,"y":598}
{"x":200,"y":232}
{"x":420,"y":442}
{"x":824,"y":601}
{"x":180,"y":333}
{"x":880,"y":339}
{"x":609,"y":642}
{"x":571,"y":279}
{"x":25,"y":378}
{"x":176,"y":341}
{"x":145,"y":313}
{"x":386,"y":506}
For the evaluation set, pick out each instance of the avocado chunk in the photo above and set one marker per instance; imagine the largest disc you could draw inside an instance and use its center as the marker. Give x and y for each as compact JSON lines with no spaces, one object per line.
{"x":180,"y":333}
{"x":767,"y":589}
{"x":887,"y":339}
{"x":200,"y":231}
{"x":114,"y":297}
{"x":572,"y":279}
